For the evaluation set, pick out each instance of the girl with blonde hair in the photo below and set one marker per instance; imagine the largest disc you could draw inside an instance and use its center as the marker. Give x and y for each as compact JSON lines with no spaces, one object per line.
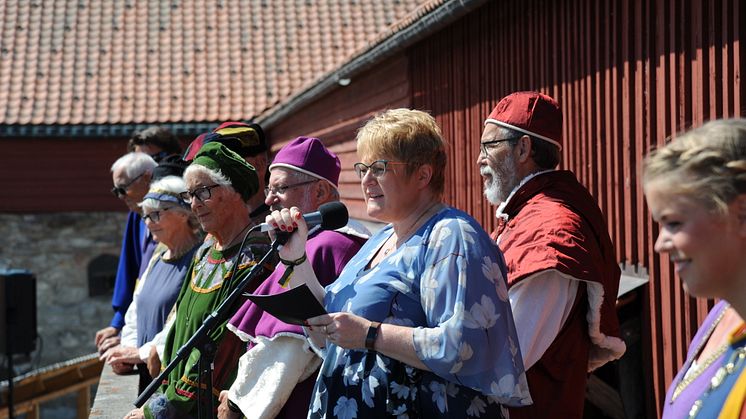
{"x":696,"y":189}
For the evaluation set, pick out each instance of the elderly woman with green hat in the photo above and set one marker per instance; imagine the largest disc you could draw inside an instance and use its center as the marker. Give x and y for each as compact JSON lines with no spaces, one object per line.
{"x":219,"y":183}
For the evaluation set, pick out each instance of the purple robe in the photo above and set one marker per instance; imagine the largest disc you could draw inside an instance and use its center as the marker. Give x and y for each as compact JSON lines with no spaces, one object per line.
{"x":679,"y":408}
{"x":328,"y":252}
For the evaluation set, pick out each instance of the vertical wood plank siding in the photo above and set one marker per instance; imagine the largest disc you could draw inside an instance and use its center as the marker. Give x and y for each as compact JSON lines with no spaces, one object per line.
{"x":629,"y":74}
{"x":335,"y":119}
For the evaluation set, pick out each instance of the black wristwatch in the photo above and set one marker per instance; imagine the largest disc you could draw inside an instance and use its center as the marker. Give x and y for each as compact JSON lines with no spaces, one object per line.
{"x":233,"y":407}
{"x":370,"y":339}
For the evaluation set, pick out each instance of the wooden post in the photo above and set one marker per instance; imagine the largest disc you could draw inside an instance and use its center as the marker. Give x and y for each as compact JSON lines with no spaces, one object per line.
{"x":34,"y":413}
{"x":84,"y":402}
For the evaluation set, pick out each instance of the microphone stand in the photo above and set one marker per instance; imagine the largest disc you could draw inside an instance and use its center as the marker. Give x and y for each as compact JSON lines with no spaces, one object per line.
{"x":200,"y":339}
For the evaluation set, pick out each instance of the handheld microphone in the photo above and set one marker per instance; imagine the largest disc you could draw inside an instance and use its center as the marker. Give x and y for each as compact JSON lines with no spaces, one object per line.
{"x":330,"y":216}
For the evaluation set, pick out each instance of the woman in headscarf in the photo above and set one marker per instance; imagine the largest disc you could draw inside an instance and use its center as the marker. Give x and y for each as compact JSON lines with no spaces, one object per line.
{"x":420,"y":324}
{"x":172,"y":224}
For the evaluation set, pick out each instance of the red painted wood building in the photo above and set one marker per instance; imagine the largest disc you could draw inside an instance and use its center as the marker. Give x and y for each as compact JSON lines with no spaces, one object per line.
{"x":628,"y":73}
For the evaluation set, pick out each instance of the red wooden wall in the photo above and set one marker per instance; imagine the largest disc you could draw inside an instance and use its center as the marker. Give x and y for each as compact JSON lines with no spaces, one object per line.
{"x":58,"y":174}
{"x":336,"y":117}
{"x":628,"y":74}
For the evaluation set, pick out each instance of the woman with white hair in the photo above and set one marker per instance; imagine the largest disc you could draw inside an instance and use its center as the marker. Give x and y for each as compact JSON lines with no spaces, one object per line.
{"x":172,"y":224}
{"x":219,"y":185}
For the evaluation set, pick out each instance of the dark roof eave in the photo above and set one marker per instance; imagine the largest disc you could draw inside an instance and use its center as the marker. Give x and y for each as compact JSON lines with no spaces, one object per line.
{"x":99,"y":130}
{"x":428,"y":24}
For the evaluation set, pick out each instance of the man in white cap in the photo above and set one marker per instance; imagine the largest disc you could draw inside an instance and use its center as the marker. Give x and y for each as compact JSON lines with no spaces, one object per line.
{"x":562,"y":272}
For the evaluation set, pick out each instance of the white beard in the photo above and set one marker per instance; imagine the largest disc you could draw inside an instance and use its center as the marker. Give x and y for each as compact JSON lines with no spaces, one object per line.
{"x":501,"y":183}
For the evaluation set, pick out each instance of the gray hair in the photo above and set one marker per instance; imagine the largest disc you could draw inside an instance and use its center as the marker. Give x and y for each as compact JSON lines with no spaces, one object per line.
{"x":215,"y":175}
{"x":299,"y":177}
{"x":134,"y":164}
{"x":170,"y":185}
{"x":545,"y":154}
{"x":334,"y":194}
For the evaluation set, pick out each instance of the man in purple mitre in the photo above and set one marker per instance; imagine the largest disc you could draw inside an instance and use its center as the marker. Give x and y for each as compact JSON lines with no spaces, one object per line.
{"x":277,"y":373}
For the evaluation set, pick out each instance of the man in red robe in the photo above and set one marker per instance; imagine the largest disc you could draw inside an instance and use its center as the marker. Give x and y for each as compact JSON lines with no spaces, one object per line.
{"x":562,"y":274}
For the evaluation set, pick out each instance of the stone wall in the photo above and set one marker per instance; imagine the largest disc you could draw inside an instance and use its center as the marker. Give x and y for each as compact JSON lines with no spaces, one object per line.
{"x":58,"y":248}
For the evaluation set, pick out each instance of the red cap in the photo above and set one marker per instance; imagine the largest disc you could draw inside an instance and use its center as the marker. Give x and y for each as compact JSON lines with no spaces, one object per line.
{"x":245,"y":139}
{"x":531,"y":113}
{"x":194,"y":147}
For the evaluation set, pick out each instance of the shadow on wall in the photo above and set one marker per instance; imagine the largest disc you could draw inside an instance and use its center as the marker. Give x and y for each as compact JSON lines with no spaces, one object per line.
{"x":102,"y":270}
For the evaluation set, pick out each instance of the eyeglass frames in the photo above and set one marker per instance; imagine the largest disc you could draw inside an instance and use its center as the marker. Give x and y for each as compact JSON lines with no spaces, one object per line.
{"x":202,"y":193}
{"x":121,"y":190}
{"x":280,"y":190}
{"x":485,"y":146}
{"x":377,"y":168}
{"x":154,"y":216}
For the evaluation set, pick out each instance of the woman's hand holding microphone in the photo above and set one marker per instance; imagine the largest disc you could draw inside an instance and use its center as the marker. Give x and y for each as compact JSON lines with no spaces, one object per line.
{"x":289,"y":221}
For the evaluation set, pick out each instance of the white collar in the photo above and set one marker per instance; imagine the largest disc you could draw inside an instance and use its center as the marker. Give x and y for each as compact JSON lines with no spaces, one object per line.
{"x":501,"y":207}
{"x":355,"y":228}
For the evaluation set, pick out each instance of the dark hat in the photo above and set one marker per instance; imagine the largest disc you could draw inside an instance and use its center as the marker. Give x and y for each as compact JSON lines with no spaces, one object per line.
{"x":531,"y":113}
{"x":242,"y":175}
{"x":171,"y":165}
{"x":308,"y":155}
{"x":244,"y":139}
{"x":195,"y":146}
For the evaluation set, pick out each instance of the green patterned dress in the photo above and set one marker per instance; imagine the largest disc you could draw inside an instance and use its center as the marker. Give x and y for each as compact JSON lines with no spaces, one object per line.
{"x":208,"y":285}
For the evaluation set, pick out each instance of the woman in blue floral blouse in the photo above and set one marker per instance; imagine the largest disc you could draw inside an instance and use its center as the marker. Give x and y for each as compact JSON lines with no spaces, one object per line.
{"x":420,"y":324}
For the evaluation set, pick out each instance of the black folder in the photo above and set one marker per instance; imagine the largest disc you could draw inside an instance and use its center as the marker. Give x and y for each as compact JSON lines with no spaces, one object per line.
{"x":293,"y":306}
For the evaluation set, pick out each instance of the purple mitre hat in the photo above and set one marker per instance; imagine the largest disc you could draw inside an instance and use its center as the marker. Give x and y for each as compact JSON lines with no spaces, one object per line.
{"x":308,"y":155}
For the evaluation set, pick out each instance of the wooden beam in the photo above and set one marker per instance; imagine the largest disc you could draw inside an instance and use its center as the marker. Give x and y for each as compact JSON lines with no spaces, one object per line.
{"x":605,"y":397}
{"x":84,"y":402}
{"x":28,"y":405}
{"x":34,"y":412}
{"x":54,"y":380}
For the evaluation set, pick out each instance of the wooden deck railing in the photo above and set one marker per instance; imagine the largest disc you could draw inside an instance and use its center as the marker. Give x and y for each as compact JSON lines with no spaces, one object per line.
{"x":48,"y":383}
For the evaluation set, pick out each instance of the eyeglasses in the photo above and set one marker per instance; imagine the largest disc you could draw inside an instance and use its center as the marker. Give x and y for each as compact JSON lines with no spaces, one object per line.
{"x":120,"y":191}
{"x":483,"y":147}
{"x":377,"y":168}
{"x":280,"y":190}
{"x":202,"y":193}
{"x":154,"y":216}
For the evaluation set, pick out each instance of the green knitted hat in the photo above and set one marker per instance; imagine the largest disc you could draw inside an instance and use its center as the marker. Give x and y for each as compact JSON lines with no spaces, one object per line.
{"x":242,"y":175}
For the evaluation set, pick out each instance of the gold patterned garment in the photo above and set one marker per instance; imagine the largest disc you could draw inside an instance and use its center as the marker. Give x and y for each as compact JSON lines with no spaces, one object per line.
{"x":209,"y":285}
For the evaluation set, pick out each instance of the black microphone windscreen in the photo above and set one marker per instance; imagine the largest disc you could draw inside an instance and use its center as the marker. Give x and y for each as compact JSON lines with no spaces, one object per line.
{"x":333,"y":215}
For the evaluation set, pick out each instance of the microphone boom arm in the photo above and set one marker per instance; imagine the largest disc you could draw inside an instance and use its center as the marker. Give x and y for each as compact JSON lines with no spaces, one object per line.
{"x":201,"y":336}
